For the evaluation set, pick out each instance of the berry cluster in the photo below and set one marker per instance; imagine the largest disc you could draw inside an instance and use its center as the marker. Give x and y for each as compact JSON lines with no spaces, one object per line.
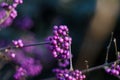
{"x":65,"y":74}
{"x":63,"y":63}
{"x":113,"y":69}
{"x":11,"y":54}
{"x":20,"y":73}
{"x":61,"y":49}
{"x":8,"y":12}
{"x":60,"y":42}
{"x":27,"y":68}
{"x":32,"y":68}
{"x":18,"y":43}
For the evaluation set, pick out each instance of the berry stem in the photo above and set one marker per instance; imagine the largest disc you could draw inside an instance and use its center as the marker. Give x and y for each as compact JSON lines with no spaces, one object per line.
{"x":40,"y":43}
{"x":116,"y":51}
{"x":99,"y":67}
{"x":86,"y":63}
{"x":108,"y":48}
{"x":71,"y":64}
{"x":28,"y":45}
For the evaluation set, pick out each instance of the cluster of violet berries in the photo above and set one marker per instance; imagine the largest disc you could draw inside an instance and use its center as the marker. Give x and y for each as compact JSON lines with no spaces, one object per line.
{"x":60,"y":44}
{"x":8,"y":12}
{"x":114,"y":69}
{"x":27,"y":68}
{"x":65,"y":74}
{"x":20,"y":73}
{"x":18,"y":43}
{"x":61,"y":50}
{"x":31,"y":66}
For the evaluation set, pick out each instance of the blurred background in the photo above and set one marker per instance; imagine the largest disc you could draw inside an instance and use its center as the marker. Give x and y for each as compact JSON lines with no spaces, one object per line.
{"x":90,"y":23}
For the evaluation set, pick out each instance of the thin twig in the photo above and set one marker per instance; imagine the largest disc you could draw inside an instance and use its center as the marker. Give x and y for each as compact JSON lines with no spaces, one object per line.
{"x":87,"y":66}
{"x":108,"y":48}
{"x":98,"y":67}
{"x":116,"y":51}
{"x":34,"y":44}
{"x":71,"y":64}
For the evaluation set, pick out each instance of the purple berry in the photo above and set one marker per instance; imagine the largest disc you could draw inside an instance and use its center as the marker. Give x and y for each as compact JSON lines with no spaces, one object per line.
{"x":65,"y":74}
